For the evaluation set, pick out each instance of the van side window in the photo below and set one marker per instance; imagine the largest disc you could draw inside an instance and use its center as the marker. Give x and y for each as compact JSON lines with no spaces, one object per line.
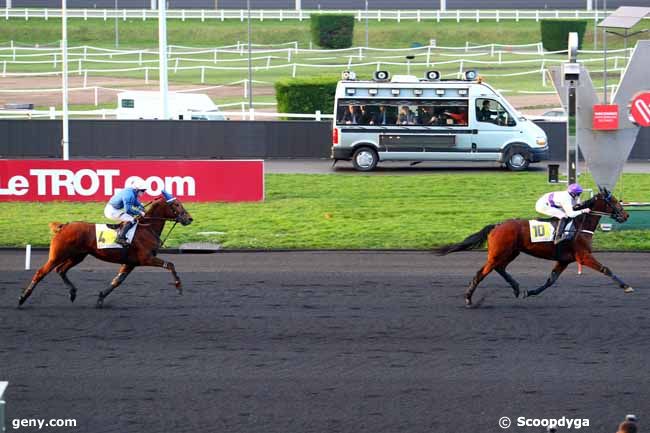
{"x":403,"y":112}
{"x":128,"y":103}
{"x":491,"y":111}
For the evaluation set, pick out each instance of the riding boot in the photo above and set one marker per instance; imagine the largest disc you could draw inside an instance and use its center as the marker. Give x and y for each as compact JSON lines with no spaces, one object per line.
{"x":559,"y":232}
{"x":121,"y":234}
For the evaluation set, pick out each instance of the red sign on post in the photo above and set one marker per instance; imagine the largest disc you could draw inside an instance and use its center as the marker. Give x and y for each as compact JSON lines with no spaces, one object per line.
{"x":98,"y":180}
{"x":640,"y":109}
{"x":605,"y":117}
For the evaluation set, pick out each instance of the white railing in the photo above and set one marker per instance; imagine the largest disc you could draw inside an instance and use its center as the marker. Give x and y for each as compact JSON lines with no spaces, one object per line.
{"x":292,"y":14}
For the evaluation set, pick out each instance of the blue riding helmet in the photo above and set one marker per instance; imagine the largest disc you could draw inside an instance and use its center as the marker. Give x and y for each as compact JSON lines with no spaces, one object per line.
{"x":574,"y":189}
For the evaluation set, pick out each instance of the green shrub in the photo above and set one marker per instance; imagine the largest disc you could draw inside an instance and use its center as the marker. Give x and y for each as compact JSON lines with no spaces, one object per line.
{"x":332,"y":31}
{"x":306,"y":95}
{"x":555,"y":33}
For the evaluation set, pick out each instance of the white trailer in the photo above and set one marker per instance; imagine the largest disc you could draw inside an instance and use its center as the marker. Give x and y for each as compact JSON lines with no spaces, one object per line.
{"x":182,"y":106}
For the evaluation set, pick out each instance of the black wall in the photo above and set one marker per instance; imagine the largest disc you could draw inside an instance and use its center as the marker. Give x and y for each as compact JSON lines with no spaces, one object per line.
{"x":161,"y":139}
{"x":204,"y":139}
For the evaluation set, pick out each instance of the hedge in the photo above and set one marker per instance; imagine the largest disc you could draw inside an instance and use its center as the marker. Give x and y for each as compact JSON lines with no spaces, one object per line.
{"x":332,"y":31}
{"x":555,"y":33}
{"x":306,"y":95}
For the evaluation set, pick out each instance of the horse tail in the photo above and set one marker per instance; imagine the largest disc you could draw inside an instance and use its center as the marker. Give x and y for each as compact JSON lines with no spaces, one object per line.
{"x":56,"y":227}
{"x":471,"y":242}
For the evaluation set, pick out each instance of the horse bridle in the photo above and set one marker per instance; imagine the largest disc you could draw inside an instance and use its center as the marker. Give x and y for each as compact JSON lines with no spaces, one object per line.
{"x":615,"y":213}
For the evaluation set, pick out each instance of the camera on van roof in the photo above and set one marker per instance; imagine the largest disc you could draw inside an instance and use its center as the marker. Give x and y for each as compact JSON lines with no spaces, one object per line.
{"x":432,"y":75}
{"x":470,"y":75}
{"x":349,"y":75}
{"x":381,"y":76}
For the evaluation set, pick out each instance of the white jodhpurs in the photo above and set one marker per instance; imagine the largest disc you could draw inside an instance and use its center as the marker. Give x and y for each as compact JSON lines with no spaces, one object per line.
{"x":542,"y":206}
{"x":117,"y":214}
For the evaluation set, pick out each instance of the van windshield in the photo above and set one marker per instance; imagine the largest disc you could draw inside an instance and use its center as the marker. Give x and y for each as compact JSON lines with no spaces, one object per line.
{"x":445,"y":112}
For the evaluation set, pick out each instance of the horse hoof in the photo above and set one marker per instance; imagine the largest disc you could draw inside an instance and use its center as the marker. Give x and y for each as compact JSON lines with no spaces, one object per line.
{"x":516,"y":293}
{"x":99,"y":303}
{"x":525,"y":294}
{"x":628,"y":289}
{"x":73,"y":296}
{"x":468,"y":302}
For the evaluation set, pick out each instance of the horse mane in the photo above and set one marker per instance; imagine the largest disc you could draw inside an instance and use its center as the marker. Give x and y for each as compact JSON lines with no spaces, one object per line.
{"x":56,"y":227}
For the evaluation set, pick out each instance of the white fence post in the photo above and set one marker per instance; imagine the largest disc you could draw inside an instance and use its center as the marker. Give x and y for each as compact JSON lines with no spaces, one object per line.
{"x":457,"y":15}
{"x":293,"y":72}
{"x":318,"y":118}
{"x":245,"y":90}
{"x":478,"y":16}
{"x":28,"y":264}
{"x":418,"y":15}
{"x":497,"y":15}
{"x":85,"y":82}
{"x":46,"y":12}
{"x":215,"y":56}
{"x":202,"y":74}
{"x":146,"y":75}
{"x":52,"y":113}
{"x":3,"y":387}
{"x":251,"y":113}
{"x":96,"y":96}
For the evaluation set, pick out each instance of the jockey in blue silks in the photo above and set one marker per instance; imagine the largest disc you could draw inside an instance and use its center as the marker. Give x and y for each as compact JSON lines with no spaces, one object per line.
{"x":125,"y":206}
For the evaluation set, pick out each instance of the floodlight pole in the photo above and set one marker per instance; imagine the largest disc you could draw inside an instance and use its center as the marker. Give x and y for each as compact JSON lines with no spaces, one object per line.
{"x":605,"y":55}
{"x":162,"y":58}
{"x":117,"y":34}
{"x":367,"y":43}
{"x":571,"y":76}
{"x":250,"y":58}
{"x":65,"y":142}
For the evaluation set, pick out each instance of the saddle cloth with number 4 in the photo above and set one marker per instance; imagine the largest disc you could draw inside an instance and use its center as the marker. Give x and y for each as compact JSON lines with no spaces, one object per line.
{"x":106,"y":236}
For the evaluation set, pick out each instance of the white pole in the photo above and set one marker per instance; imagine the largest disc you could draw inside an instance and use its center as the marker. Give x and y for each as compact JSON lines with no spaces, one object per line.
{"x":8,"y":4}
{"x":443,"y":5}
{"x":153,"y":5}
{"x":298,"y":5}
{"x":28,"y":257}
{"x":64,"y":78}
{"x":162,"y":55}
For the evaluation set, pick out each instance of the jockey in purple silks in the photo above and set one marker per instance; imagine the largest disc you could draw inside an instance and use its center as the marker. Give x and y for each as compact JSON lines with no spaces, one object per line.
{"x":125,"y":206}
{"x":560,"y":204}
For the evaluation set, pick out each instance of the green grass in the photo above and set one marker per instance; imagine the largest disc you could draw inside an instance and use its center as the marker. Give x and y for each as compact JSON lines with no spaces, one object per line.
{"x":341,"y":211}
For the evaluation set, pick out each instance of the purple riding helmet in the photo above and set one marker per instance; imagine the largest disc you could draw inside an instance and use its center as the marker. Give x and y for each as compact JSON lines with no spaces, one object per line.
{"x":574,"y":189}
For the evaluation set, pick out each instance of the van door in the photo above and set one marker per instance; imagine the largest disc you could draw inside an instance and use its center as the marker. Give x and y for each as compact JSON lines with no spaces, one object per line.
{"x":496,"y":127}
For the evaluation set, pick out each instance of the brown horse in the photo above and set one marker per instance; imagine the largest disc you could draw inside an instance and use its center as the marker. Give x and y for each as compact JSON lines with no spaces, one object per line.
{"x":507,"y":239}
{"x":72,"y":242}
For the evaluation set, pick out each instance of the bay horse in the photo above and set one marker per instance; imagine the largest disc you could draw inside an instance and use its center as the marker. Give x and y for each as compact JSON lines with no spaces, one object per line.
{"x":73,"y":241}
{"x":509,"y":238}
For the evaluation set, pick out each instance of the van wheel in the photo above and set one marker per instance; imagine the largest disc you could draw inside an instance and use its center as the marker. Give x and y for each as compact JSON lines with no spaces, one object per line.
{"x":517,"y":160}
{"x":365,"y":159}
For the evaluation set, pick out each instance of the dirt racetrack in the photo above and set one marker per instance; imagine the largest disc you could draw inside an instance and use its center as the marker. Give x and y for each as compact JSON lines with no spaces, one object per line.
{"x":325,"y":342}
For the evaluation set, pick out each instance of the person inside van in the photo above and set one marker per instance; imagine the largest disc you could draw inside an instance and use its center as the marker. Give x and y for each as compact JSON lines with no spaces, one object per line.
{"x":484,"y":114}
{"x":405,"y":117}
{"x":351,"y":116}
{"x":459,"y":118}
{"x":365,"y":117}
{"x":382,"y":117}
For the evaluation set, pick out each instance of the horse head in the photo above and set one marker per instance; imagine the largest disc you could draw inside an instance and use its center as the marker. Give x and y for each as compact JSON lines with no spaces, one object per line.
{"x":170,"y":208}
{"x":606,"y":203}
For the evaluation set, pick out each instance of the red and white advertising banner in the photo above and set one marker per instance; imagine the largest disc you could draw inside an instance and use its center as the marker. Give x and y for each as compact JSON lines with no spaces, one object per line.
{"x":605,"y":117}
{"x":640,"y":109}
{"x":98,"y":180}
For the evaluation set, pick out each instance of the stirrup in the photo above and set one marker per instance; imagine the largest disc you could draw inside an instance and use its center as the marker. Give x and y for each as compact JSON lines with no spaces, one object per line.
{"x":124,"y":242}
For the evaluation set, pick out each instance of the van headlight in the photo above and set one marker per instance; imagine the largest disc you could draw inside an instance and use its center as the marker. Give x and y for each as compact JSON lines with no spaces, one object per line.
{"x":541,"y":141}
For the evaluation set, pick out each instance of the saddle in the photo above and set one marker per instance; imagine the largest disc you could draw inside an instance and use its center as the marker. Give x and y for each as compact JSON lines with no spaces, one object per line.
{"x":544,"y":230}
{"x":114,"y":226}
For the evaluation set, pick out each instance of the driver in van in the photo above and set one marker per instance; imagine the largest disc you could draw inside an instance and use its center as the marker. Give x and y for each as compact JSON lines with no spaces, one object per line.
{"x":484,"y":114}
